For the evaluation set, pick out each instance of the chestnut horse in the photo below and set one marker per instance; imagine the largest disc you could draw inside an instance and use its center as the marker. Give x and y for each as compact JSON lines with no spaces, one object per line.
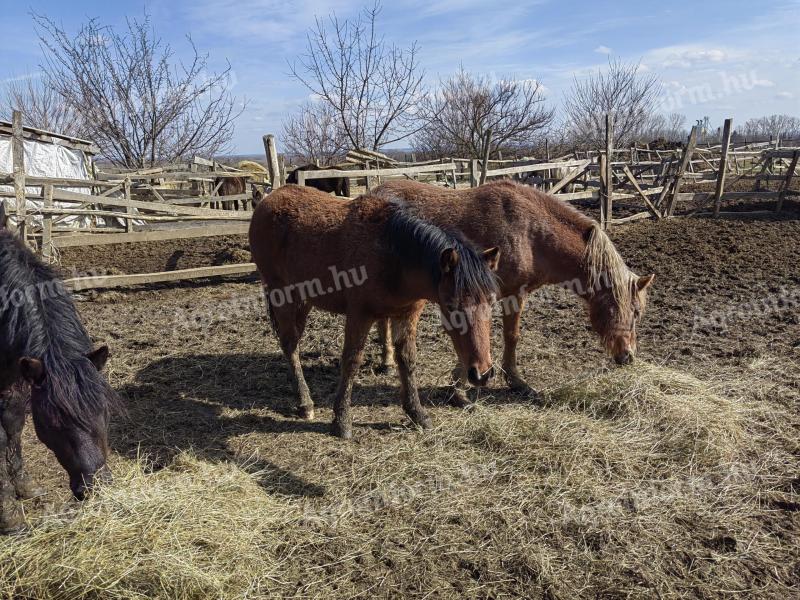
{"x":543,"y":241}
{"x":45,"y":353}
{"x":369,"y":259}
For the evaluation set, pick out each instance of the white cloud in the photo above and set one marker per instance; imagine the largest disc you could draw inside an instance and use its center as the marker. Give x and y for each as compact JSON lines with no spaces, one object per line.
{"x":784,"y":95}
{"x":603,"y":50}
{"x":687,"y":56}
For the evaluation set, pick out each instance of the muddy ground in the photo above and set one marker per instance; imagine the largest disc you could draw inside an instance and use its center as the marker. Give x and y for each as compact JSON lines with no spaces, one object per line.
{"x":197,"y":368}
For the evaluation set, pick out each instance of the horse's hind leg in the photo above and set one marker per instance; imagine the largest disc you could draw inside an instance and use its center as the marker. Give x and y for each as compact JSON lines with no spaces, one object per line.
{"x":404,"y":331}
{"x":289,"y":321}
{"x":356,"y":331}
{"x":13,"y":422}
{"x":11,"y":518}
{"x":387,"y":347}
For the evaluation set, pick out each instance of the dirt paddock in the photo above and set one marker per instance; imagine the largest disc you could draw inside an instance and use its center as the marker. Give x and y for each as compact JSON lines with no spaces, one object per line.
{"x":542,"y":496}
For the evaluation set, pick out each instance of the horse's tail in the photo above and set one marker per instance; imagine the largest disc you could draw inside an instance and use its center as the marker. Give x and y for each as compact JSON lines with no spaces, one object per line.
{"x":270,"y":310}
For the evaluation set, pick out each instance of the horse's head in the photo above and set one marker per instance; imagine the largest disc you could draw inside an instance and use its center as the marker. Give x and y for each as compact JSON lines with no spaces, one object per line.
{"x":76,"y":428}
{"x":466,"y":314}
{"x":614,"y":316}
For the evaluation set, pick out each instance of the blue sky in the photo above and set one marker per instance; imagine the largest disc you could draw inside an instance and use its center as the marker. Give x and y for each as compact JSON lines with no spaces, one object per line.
{"x":716,"y":58}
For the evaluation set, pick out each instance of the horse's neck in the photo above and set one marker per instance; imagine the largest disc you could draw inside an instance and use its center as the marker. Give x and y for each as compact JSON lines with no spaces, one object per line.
{"x":559,"y":257}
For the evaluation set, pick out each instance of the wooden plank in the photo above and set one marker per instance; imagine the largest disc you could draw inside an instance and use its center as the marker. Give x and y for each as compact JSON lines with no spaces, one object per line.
{"x":569,"y":177}
{"x":158,"y":235}
{"x":635,"y":184}
{"x":532,"y":168}
{"x":723,"y":165}
{"x":378,"y":172}
{"x":786,"y":184}
{"x":687,"y":156}
{"x":87,"y":212}
{"x":113,"y":281}
{"x":635,"y":217}
{"x":18,"y":162}
{"x":170,"y":209}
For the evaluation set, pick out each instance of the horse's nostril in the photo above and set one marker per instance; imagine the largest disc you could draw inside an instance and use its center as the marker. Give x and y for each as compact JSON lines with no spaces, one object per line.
{"x":473,"y":375}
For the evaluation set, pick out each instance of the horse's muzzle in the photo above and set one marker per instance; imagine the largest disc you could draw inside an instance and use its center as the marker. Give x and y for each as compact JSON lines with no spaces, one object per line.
{"x":475,"y":378}
{"x":624,"y":358}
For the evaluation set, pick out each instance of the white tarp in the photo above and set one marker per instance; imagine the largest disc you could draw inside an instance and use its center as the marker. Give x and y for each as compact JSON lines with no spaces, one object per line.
{"x":46,"y":160}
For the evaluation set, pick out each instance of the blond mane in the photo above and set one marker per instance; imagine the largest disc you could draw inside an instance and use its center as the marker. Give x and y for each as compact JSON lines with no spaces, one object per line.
{"x":605,"y":266}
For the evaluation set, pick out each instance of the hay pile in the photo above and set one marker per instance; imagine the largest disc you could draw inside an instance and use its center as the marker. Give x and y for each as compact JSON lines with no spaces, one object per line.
{"x":627,"y":483}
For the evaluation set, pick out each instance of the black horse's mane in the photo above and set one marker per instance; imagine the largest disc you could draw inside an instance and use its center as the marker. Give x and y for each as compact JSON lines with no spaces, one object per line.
{"x":38,"y":319}
{"x":420,"y":243}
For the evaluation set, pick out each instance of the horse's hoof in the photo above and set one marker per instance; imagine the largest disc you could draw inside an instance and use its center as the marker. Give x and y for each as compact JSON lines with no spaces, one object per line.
{"x":11,"y":519}
{"x":459,"y":399}
{"x":306,"y":412}
{"x":386,"y":369}
{"x":341,"y":430}
{"x":423,"y":421}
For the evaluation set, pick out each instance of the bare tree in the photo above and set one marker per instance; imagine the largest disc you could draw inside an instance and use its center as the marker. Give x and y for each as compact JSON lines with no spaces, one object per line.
{"x":138,"y":105}
{"x":314,"y":134}
{"x":623,"y":90}
{"x":42,"y":106}
{"x":465,"y":106}
{"x":671,"y":127}
{"x":373,"y":87}
{"x":783,"y":126}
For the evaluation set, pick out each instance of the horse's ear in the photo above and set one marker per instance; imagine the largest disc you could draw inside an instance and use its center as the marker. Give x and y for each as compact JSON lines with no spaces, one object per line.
{"x":491,"y":257}
{"x":32,"y":370}
{"x":448,"y":260}
{"x":99,"y":357}
{"x":644,"y":282}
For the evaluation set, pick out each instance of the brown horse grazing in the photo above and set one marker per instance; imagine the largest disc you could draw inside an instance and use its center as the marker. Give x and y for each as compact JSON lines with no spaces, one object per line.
{"x":46,"y":354}
{"x":543,"y":241}
{"x":369,"y":259}
{"x":340,"y":186}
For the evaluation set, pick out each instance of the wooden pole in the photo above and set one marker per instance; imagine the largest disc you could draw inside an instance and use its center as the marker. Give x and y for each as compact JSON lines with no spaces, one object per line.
{"x":126,"y":186}
{"x":271,"y":151}
{"x":473,"y":173}
{"x":723,"y":164}
{"x":788,"y":181}
{"x":687,"y":156}
{"x":47,"y":224}
{"x":486,"y":149}
{"x":603,"y":188}
{"x":18,"y":162}
{"x":609,"y":195}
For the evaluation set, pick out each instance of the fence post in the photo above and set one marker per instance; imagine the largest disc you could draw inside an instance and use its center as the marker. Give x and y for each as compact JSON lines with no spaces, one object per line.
{"x":272,"y":160}
{"x":601,"y":161}
{"x":301,"y":178}
{"x":608,"y":196}
{"x":687,"y":156}
{"x":487,"y":147}
{"x":723,"y":164}
{"x":788,"y":181}
{"x":126,"y":186}
{"x":47,"y":224}
{"x":18,"y":162}
{"x":473,"y":173}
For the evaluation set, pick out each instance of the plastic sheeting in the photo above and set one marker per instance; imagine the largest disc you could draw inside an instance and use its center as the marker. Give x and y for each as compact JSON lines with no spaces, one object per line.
{"x":46,"y":160}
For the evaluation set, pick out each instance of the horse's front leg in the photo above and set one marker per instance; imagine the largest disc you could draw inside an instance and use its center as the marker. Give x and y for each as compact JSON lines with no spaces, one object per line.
{"x":356,"y":330}
{"x":11,"y":518}
{"x":512,"y":307}
{"x":387,"y":346}
{"x":13,"y":422}
{"x":404,"y":331}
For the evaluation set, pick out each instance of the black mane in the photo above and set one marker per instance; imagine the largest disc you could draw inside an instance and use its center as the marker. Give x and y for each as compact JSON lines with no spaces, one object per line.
{"x":420,"y":243}
{"x":39,"y":320}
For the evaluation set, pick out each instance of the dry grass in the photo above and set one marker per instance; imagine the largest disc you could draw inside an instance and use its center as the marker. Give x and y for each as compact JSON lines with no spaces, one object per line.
{"x":629,"y":483}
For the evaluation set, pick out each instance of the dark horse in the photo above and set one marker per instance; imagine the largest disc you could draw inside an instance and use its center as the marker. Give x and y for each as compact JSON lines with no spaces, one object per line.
{"x":46,"y":354}
{"x":369,"y":259}
{"x":233,"y":186}
{"x":340,"y":186}
{"x":543,"y":242}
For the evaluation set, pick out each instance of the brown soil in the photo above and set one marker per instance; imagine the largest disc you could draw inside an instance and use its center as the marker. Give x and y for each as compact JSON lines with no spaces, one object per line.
{"x":198,"y":368}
